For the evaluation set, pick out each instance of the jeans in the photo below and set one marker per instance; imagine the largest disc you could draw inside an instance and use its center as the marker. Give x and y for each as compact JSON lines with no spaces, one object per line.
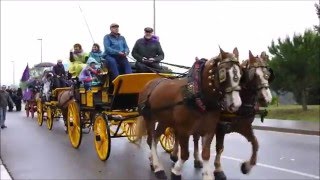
{"x":117,"y":65}
{"x":3,"y":111}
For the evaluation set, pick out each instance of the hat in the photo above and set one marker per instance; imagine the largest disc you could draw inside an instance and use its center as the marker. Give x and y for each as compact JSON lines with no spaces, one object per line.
{"x":148,"y":29}
{"x":91,"y":60}
{"x":114,"y":25}
{"x":59,"y":61}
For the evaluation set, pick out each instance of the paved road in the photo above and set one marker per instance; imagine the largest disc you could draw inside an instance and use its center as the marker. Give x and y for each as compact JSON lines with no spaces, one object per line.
{"x":33,"y":152}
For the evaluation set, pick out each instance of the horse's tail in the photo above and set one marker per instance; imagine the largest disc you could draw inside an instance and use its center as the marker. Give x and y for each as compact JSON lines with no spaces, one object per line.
{"x":141,"y":128}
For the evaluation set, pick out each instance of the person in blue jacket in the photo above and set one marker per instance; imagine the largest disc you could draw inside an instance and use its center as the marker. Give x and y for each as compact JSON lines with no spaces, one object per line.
{"x":116,"y":51}
{"x":96,"y":54}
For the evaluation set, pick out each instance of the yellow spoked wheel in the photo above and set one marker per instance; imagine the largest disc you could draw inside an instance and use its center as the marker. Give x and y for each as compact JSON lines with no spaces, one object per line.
{"x":130,"y":130}
{"x":74,"y":124}
{"x":167,"y":140}
{"x":49,"y":118}
{"x":102,"y":141}
{"x":39,"y":112}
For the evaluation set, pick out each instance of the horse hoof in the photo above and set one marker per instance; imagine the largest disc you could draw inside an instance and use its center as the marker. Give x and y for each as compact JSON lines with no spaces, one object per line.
{"x":245,"y":168}
{"x":161,"y":175}
{"x":175,"y":177}
{"x":151,"y":167}
{"x":173,"y":158}
{"x":219,"y":175}
{"x":198,"y":164}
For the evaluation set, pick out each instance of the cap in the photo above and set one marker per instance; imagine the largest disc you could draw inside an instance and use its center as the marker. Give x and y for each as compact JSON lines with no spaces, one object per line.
{"x":59,"y":61}
{"x":148,"y":29}
{"x":114,"y":25}
{"x":91,"y":60}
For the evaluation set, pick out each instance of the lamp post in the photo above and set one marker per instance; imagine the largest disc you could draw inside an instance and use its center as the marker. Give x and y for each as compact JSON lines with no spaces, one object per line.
{"x":154,"y":16}
{"x":40,"y":39}
{"x":13,"y":78}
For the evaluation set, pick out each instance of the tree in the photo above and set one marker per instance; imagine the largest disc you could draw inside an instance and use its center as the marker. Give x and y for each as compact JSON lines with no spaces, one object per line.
{"x":296,"y":65}
{"x":317,"y":27}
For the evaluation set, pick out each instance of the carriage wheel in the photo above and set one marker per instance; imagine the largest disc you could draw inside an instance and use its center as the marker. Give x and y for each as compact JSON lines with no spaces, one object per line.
{"x":167,"y":140}
{"x":49,"y":118}
{"x":102,"y":140}
{"x":74,"y":124}
{"x":130,"y":130}
{"x":39,"y":112}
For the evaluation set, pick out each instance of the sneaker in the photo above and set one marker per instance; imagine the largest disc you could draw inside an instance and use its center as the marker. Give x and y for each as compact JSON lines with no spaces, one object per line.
{"x":3,"y":126}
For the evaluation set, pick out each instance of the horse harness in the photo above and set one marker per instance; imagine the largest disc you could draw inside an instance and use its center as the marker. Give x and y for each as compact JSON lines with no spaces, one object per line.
{"x":193,"y":96}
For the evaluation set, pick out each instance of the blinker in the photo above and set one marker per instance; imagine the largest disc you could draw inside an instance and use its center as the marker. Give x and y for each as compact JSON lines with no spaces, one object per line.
{"x":222,"y":75}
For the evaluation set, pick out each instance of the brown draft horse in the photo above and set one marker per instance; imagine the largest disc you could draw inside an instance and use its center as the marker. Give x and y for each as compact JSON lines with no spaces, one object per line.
{"x":254,"y":90}
{"x":190,"y":106}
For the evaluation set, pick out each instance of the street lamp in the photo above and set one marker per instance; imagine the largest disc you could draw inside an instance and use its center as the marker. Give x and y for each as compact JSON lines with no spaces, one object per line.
{"x":13,"y":78}
{"x":41,"y":47}
{"x":154,"y":17}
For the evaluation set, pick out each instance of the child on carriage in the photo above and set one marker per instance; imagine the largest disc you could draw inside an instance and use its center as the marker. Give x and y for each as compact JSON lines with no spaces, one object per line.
{"x":88,"y":74}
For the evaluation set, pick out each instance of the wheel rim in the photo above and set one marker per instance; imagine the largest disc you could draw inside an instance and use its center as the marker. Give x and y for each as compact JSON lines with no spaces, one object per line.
{"x":130,"y":130}
{"x":49,"y":118}
{"x":39,"y":112}
{"x":167,"y":140}
{"x":102,"y":137}
{"x":74,"y":125}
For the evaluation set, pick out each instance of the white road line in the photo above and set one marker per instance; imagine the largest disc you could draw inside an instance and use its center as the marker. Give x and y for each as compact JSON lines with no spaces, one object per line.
{"x":287,"y":133}
{"x":276,"y":168}
{"x":4,"y":174}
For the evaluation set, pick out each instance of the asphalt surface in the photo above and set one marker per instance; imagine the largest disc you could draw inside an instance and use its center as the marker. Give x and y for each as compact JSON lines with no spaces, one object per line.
{"x":33,"y":152}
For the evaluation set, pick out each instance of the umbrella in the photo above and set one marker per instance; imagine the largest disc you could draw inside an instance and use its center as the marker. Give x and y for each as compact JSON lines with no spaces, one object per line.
{"x":44,"y":64}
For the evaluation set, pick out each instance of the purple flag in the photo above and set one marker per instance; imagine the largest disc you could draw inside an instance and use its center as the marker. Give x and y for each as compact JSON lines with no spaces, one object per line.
{"x":26,"y":74}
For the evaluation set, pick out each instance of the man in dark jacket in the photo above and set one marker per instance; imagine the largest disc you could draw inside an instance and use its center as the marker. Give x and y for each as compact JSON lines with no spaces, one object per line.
{"x":148,"y":52}
{"x":5,"y":99}
{"x":59,"y":74}
{"x":9,"y":90}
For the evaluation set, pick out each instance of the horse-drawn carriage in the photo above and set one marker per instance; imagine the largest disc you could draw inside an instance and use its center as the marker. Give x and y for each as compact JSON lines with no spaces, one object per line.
{"x":109,"y":109}
{"x":32,"y":86}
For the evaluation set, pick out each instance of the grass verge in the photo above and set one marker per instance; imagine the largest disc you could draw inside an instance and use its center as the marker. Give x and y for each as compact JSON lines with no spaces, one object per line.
{"x":294,"y":112}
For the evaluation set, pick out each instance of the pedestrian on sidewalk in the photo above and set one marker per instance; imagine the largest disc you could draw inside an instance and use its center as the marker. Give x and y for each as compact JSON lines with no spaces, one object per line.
{"x":4,"y":100}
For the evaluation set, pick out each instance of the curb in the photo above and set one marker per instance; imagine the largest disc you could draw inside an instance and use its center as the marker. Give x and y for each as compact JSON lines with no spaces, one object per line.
{"x":287,"y":130}
{"x":4,"y":174}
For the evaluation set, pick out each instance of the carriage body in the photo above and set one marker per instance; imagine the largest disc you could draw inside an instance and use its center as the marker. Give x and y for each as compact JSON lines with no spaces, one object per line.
{"x":109,"y":109}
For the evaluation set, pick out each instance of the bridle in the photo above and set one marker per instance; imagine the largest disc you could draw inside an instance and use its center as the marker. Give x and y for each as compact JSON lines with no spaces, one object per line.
{"x":218,"y":76}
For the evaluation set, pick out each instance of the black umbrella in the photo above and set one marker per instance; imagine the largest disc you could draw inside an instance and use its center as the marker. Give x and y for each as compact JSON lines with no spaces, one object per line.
{"x":44,"y":64}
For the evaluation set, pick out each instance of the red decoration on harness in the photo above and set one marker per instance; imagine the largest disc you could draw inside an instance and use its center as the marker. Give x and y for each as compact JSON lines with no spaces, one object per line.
{"x":196,"y":83}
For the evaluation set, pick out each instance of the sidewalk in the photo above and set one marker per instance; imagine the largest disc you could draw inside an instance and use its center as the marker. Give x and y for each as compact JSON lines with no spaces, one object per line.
{"x":4,"y":175}
{"x":289,"y":126}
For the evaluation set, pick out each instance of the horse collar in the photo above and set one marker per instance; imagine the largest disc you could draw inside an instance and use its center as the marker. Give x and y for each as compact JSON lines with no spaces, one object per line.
{"x":193,"y":87}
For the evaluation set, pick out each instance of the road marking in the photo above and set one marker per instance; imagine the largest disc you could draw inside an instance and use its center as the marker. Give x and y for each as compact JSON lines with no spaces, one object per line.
{"x":287,"y":133}
{"x":276,"y":168}
{"x":4,"y":174}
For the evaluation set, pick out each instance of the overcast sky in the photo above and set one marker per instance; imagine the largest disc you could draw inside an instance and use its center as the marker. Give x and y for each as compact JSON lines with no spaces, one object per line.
{"x":186,"y":28}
